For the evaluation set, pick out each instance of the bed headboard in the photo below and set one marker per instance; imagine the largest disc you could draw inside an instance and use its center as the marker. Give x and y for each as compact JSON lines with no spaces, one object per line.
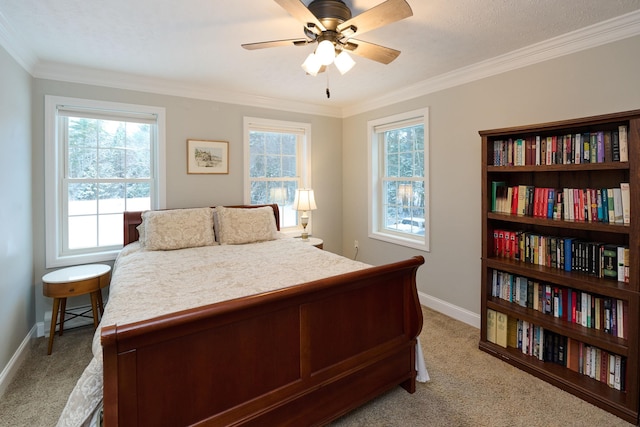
{"x":133,"y":218}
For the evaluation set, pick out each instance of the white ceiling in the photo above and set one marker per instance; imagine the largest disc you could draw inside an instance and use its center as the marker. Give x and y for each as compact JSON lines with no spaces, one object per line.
{"x":192,"y":47}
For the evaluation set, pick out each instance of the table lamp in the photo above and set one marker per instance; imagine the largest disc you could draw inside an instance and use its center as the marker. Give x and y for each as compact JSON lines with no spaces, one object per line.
{"x":304,"y":201}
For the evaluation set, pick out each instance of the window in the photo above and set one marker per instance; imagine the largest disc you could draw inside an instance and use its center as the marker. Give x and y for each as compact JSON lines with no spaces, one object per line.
{"x":102,"y":158}
{"x":277,"y":163}
{"x":399,"y":186}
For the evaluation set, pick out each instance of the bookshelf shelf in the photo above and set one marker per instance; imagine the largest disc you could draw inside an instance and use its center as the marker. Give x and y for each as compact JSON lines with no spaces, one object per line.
{"x":555,"y":261}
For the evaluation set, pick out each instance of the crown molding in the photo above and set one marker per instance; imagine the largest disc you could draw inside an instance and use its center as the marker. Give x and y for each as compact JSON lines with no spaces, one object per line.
{"x":604,"y":32}
{"x":609,"y":31}
{"x":97,"y":77}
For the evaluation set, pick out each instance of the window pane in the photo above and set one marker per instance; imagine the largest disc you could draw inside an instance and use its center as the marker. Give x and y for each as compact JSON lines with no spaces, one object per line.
{"x":110,"y":230}
{"x":111,"y":198}
{"x":82,"y":162}
{"x":274,"y":166}
{"x":289,"y":168}
{"x":289,"y":145}
{"x":83,"y":132}
{"x":111,"y":163}
{"x":258,"y":192}
{"x":138,"y":196}
{"x":272,"y":143}
{"x":392,"y":164}
{"x":258,"y":165}
{"x":406,"y":137}
{"x":83,"y":231}
{"x":138,"y":163}
{"x":418,"y":164}
{"x":82,"y":199}
{"x":406,"y":164}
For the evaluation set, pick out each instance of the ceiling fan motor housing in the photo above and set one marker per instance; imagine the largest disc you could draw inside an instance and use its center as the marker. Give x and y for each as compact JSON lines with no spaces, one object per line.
{"x":330,"y":13}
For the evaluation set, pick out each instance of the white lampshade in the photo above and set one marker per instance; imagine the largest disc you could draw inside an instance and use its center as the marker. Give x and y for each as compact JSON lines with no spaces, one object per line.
{"x":312,"y":64}
{"x":304,"y":200}
{"x":344,"y":62}
{"x":325,"y":52}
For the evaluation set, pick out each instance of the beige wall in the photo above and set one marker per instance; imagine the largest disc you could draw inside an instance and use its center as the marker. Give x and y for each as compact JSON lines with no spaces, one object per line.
{"x":16,"y":262}
{"x":191,"y":118}
{"x":597,"y":81}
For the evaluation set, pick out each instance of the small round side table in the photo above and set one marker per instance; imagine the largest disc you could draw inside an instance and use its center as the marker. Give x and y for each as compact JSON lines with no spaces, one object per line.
{"x":74,"y":281}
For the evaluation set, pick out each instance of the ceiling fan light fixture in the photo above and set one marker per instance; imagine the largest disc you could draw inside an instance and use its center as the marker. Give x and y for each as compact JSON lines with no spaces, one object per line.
{"x":326,"y":52}
{"x":312,"y":64}
{"x":344,"y":62}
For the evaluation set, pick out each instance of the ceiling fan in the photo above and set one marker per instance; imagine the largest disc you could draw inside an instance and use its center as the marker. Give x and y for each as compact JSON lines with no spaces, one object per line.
{"x":329,"y":23}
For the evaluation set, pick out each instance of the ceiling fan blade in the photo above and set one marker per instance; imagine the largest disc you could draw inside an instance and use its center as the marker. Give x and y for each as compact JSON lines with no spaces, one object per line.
{"x":275,"y":43}
{"x":378,"y":16}
{"x":372,"y":51}
{"x":298,"y":10}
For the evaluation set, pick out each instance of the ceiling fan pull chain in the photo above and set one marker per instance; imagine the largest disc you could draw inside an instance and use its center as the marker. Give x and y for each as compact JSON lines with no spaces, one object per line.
{"x":327,"y":91}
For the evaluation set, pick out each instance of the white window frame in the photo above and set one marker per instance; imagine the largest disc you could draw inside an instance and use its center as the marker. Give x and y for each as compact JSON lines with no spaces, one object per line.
{"x":55,"y":204}
{"x":303,"y":130}
{"x":376,"y":173}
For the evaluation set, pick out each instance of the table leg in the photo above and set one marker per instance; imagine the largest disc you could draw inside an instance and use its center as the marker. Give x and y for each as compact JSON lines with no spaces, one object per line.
{"x":54,"y":319}
{"x":100,"y":303}
{"x":62,"y":314}
{"x":94,"y":307}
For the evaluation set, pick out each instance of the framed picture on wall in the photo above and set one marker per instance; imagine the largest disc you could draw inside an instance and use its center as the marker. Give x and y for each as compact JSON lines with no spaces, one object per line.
{"x":207,"y":156}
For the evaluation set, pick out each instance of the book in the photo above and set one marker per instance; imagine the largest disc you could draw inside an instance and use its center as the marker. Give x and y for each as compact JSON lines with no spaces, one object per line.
{"x":625,"y":198}
{"x":610,"y":261}
{"x":610,"y":205}
{"x":617,"y":206}
{"x":491,"y":325}
{"x":512,"y":332}
{"x":501,"y":329}
{"x":621,"y":266}
{"x":615,"y":146}
{"x":608,"y":152}
{"x":496,"y":192}
{"x":623,"y":144}
{"x":600,"y":151}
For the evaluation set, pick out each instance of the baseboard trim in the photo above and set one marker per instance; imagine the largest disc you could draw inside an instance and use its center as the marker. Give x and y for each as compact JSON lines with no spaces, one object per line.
{"x":9,"y":372}
{"x":458,"y":313}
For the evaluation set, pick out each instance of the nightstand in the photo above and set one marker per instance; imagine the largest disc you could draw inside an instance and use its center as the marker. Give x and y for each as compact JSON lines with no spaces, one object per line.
{"x":74,"y":281}
{"x":313,"y":241}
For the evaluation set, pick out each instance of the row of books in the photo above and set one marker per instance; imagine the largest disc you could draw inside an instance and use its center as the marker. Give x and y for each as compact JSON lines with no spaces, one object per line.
{"x":586,"y":147}
{"x":567,"y":253}
{"x":608,"y":205}
{"x":582,"y":308}
{"x":547,"y":346}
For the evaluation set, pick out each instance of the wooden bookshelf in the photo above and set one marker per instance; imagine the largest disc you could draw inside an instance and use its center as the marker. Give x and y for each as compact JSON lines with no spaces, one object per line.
{"x":561,"y":171}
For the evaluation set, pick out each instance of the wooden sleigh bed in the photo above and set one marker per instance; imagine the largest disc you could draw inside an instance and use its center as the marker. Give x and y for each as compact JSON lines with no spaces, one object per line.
{"x":301,"y":355}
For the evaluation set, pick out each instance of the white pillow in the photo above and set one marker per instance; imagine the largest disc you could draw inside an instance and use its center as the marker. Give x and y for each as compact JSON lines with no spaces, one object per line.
{"x":177,"y":229}
{"x":235,"y":226}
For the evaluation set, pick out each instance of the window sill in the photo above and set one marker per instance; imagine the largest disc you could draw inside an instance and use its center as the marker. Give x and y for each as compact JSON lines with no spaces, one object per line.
{"x":401,"y":241}
{"x":65,"y":261}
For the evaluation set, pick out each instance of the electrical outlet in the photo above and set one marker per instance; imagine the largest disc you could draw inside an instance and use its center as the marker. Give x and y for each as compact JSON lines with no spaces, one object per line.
{"x":355,"y":244}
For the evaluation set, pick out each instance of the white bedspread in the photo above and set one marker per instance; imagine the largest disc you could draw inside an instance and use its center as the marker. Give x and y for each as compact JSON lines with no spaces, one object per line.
{"x":146,"y":284}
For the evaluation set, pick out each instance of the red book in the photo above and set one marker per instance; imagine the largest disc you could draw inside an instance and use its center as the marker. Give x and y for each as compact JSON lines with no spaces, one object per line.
{"x":536,"y":201}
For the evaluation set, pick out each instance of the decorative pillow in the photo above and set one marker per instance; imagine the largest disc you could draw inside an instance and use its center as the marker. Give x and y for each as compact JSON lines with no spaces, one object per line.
{"x":245,"y":225}
{"x":177,"y":229}
{"x":141,"y":236}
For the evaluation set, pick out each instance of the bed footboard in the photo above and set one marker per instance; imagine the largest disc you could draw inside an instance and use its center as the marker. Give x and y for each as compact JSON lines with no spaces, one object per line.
{"x":303,"y":355}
